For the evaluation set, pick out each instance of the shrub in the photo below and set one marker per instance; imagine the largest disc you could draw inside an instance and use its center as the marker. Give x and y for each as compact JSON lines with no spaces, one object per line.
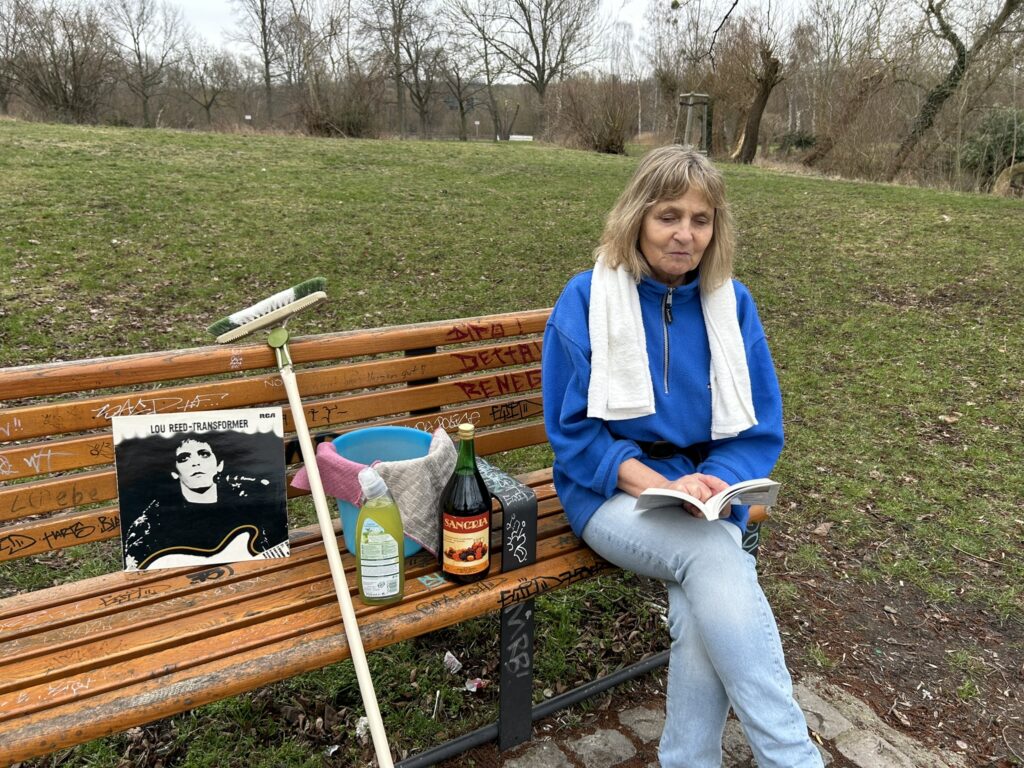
{"x":997,"y":144}
{"x":796,"y":140}
{"x":598,"y":114}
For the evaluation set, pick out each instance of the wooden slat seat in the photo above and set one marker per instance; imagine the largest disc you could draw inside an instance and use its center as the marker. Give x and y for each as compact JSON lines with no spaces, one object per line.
{"x":95,"y":656}
{"x":126,"y":648}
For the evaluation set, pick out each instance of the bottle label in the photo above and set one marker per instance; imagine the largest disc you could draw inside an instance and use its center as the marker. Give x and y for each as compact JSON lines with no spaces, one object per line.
{"x":466,"y":544}
{"x":378,"y":561}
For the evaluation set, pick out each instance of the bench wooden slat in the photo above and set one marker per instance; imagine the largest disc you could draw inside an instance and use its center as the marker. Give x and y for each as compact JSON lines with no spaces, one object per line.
{"x":38,"y":497}
{"x":65,"y":454}
{"x":48,"y":456}
{"x":147,"y":601}
{"x":103,"y":373}
{"x":96,"y":412}
{"x":40,"y":535}
{"x":178,"y":689}
{"x":252,"y":619}
{"x":67,"y":529}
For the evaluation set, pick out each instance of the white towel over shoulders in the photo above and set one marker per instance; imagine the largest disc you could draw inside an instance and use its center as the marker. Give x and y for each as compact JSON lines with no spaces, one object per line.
{"x":620,"y":376}
{"x":732,"y":404}
{"x":620,"y":379}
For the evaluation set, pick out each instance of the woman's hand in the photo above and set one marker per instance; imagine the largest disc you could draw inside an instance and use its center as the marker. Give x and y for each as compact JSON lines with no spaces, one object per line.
{"x":635,"y":478}
{"x":702,"y":487}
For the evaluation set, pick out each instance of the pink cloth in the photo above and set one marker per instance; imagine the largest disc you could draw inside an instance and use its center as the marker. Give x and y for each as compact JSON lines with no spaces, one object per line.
{"x":340,"y":476}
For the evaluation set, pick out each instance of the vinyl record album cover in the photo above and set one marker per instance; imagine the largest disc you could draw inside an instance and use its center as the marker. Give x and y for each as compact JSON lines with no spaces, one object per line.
{"x":201,"y":488}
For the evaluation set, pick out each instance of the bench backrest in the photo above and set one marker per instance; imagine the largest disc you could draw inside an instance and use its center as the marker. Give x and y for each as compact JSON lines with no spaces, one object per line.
{"x":57,"y":481}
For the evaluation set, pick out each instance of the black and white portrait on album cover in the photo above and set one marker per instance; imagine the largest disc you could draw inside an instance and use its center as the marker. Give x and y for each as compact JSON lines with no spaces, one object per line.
{"x":201,"y":488}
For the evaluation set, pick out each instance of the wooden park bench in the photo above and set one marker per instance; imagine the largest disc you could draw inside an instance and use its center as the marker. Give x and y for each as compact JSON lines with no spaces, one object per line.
{"x":89,"y":658}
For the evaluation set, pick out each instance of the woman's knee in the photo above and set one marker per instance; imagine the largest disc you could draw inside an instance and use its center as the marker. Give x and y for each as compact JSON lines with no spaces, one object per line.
{"x":718,"y":555}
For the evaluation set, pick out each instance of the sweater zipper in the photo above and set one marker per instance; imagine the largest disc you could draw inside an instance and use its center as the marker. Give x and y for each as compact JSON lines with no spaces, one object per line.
{"x":666,"y":320}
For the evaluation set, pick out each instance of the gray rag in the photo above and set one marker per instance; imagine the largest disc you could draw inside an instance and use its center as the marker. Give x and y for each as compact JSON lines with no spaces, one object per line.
{"x":416,"y":486}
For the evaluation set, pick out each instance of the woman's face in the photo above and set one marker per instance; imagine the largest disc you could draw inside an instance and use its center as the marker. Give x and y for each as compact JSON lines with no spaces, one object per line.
{"x":674,"y":235}
{"x":196,"y":465}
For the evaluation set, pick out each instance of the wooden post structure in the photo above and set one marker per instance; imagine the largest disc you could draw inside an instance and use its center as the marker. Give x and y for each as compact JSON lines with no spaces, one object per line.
{"x":693,"y":101}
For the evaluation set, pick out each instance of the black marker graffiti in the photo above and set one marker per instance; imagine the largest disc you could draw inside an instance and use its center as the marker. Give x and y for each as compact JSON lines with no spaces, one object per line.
{"x":518,"y":654}
{"x":211,"y":574}
{"x":130,"y":596}
{"x":14,"y":543}
{"x":540,"y":584}
{"x":75,"y":531}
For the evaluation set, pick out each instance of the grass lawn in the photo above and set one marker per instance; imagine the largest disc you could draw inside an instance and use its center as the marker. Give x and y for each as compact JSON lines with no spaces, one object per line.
{"x":895,"y":317}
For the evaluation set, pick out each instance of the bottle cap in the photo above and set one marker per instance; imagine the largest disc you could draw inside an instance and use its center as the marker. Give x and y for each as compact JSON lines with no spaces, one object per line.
{"x":466,"y":431}
{"x":373,"y":485}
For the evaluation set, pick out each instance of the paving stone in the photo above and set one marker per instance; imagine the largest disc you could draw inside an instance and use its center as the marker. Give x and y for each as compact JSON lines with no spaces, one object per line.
{"x":869,"y":750}
{"x":734,"y":743}
{"x":603,"y":749}
{"x":821,"y":716}
{"x":864,"y":720}
{"x":542,"y":754}
{"x":646,"y":722}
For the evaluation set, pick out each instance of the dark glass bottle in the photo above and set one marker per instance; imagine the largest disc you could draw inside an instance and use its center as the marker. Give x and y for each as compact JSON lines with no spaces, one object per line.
{"x":464,"y":553}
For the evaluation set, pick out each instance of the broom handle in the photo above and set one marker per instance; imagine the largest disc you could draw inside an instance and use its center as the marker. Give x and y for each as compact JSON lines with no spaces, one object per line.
{"x":348,"y":615}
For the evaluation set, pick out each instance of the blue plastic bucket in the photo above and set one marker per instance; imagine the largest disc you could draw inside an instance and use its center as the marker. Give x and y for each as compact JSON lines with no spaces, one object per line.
{"x":366,"y":446}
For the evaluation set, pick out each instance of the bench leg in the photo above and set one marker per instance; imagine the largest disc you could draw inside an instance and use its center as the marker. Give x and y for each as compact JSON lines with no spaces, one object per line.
{"x":752,"y":538}
{"x":516,"y":696}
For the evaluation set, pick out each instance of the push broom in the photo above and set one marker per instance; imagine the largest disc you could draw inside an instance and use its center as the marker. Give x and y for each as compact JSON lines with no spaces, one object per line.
{"x":274,"y":313}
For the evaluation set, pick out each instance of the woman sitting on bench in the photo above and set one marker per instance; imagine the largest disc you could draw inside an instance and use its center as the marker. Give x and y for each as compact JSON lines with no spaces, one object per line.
{"x":656,"y":373}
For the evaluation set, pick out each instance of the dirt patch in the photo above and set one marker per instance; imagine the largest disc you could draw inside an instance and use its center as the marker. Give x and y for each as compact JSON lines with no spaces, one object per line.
{"x":949,"y":676}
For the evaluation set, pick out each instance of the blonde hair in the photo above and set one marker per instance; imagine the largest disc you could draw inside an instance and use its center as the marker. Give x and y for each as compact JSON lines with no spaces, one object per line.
{"x":667,"y":173}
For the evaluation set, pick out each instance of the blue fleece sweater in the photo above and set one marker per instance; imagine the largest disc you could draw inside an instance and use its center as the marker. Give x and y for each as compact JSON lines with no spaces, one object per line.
{"x":588,"y":451}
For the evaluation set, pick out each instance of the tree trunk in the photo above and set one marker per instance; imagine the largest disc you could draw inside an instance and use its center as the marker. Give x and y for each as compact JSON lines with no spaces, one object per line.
{"x":492,"y":107}
{"x":267,"y":87}
{"x":823,"y":146}
{"x":766,"y":82}
{"x":938,"y":95}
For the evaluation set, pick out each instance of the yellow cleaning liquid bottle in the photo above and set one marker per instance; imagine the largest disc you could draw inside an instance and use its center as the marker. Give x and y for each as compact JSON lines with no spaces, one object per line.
{"x":380,"y":561}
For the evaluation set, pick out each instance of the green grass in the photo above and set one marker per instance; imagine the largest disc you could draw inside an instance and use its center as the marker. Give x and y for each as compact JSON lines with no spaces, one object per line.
{"x":894,"y":316}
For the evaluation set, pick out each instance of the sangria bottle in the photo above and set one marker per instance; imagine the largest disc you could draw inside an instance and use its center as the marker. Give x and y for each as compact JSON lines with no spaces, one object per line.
{"x":464,"y":553}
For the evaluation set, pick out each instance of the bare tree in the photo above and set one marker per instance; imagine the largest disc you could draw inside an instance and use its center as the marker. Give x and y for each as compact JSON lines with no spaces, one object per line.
{"x":206,"y":74}
{"x":940,"y":23}
{"x":423,"y":52}
{"x":837,"y":65}
{"x":258,"y":28}
{"x":389,"y":20}
{"x":148,"y":34}
{"x":480,"y":22}
{"x":463,"y":73}
{"x":754,"y":43}
{"x":306,"y":32}
{"x":683,"y":40}
{"x":12,"y":26}
{"x":599,"y":112}
{"x":66,"y":63}
{"x":545,"y":40}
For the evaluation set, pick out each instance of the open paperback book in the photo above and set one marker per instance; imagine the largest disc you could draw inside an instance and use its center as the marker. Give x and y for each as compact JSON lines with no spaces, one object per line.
{"x":760,"y":491}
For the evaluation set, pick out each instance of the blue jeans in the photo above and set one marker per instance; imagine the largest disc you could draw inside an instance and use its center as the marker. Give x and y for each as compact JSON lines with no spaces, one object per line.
{"x":725,"y":644}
